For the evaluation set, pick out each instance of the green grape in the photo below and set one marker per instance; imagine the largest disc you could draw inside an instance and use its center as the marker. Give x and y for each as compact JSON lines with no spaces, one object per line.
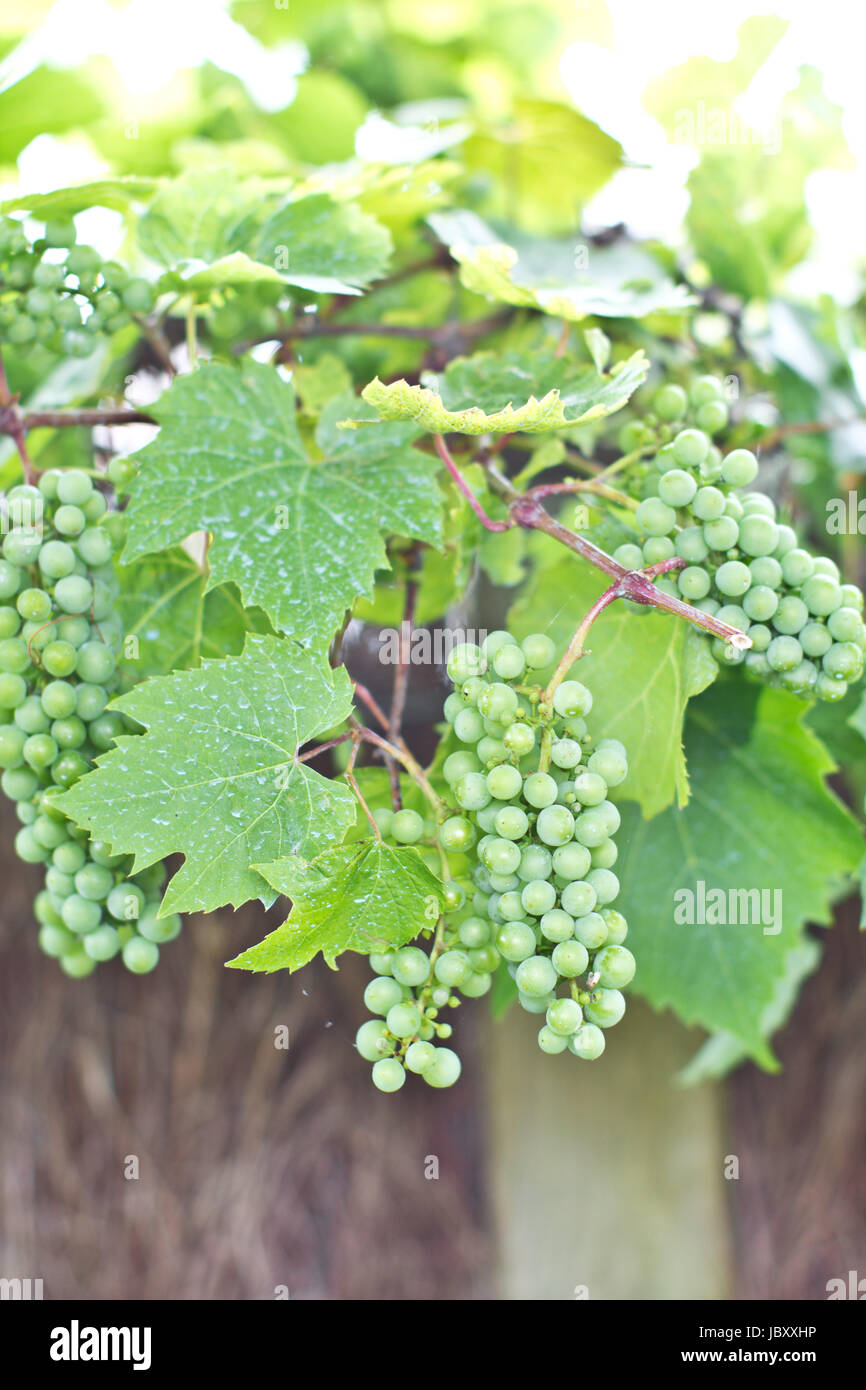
{"x":58,"y":699}
{"x":677,"y":487}
{"x":615,"y":967}
{"x":444,"y":1070}
{"x":693,"y":583}
{"x":587,"y":1042}
{"x":733,"y":578}
{"x":40,"y":751}
{"x":419,"y":1056}
{"x":469,"y":726}
{"x":457,"y":765}
{"x":371,"y":1040}
{"x":605,"y":884}
{"x":797,"y":567}
{"x":540,"y":789}
{"x":509,"y":663}
{"x":845,"y":625}
{"x":690,"y":447}
{"x":538,"y":896}
{"x":511,"y":823}
{"x":565,"y":753}
{"x":80,"y":915}
{"x":557,"y":925}
{"x":570,"y":958}
{"x":572,"y":698}
{"x":829,"y":687}
{"x":552,"y":1042}
{"x":499,"y":856}
{"x":504,"y":782}
{"x":139,"y":955}
{"x":821,"y":595}
{"x":410,"y":966}
{"x":564,"y":1016}
{"x":578,"y":898}
{"x":491,"y":750}
{"x":791,"y":615}
{"x":28,"y":847}
{"x":94,"y":548}
{"x":591,"y":930}
{"x":712,"y":416}
{"x":519,"y":739}
{"x":722,"y":533}
{"x":616,"y":925}
{"x":740,"y":468}
{"x":555,"y":824}
{"x":536,"y":862}
{"x":516,"y":941}
{"x":407,"y":827}
{"x":669,"y":402}
{"x":13,"y":691}
{"x":784,"y":653}
{"x":605,"y":1008}
{"x":815,"y":638}
{"x":610,"y":766}
{"x":465,"y":660}
{"x":630,"y":556}
{"x":456,"y":834}
{"x":708,"y":503}
{"x":655,"y":517}
{"x":572,"y":861}
{"x":690,"y":545}
{"x":590,"y":788}
{"x":536,"y":976}
{"x":474,"y":932}
{"x":90,"y":701}
{"x":658,"y":548}
{"x":102,"y":944}
{"x":760,"y":603}
{"x":844,"y":661}
{"x":69,"y":858}
{"x":77,"y":964}
{"x":452,"y":968}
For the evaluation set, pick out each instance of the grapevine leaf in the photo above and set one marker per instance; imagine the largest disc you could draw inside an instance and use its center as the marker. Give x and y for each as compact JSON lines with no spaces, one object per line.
{"x":557,"y":276}
{"x":708,"y":85}
{"x":191,"y":218}
{"x":546,"y":162}
{"x":475,"y":394}
{"x":758,"y":799}
{"x":642,"y":669}
{"x":300,"y":536}
{"x":365,"y":897}
{"x":324,"y":246}
{"x":235,"y":269}
{"x":116,"y":194}
{"x":722,"y":1052}
{"x":164,"y":603}
{"x":214,"y":776}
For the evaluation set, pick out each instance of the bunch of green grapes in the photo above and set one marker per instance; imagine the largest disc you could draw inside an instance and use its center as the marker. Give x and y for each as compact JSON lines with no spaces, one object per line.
{"x":744,"y":566}
{"x":59,"y":643}
{"x":531,"y":804}
{"x":61,"y":300}
{"x":412,"y":986}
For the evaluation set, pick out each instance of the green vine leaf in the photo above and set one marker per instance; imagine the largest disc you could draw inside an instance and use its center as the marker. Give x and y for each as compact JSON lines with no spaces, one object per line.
{"x":642,"y":669}
{"x":300,"y":535}
{"x":324,"y":246}
{"x":474,"y":395}
{"x":165,"y":605}
{"x":214,"y":777}
{"x":365,"y":897}
{"x":117,"y":194}
{"x":760,"y":817}
{"x":559,"y":276}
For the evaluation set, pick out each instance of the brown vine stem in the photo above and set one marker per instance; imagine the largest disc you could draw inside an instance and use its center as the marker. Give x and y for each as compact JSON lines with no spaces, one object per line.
{"x":350,"y":778}
{"x":584,"y":485}
{"x":57,"y":419}
{"x":775,"y":436}
{"x":321,"y":748}
{"x":487,"y":522}
{"x":634,"y":584}
{"x":412,"y":766}
{"x":401,"y":684}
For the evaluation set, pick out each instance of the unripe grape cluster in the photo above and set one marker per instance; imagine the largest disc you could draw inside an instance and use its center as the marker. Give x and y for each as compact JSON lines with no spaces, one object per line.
{"x":530,"y":793}
{"x":743,"y":566}
{"x":60,"y":639}
{"x":61,"y":295}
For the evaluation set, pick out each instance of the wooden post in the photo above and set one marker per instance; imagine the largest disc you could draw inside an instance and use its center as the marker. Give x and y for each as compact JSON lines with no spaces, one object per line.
{"x":607,"y":1178}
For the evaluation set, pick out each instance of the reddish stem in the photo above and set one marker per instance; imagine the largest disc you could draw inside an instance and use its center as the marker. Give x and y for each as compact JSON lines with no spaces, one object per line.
{"x":486,"y":521}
